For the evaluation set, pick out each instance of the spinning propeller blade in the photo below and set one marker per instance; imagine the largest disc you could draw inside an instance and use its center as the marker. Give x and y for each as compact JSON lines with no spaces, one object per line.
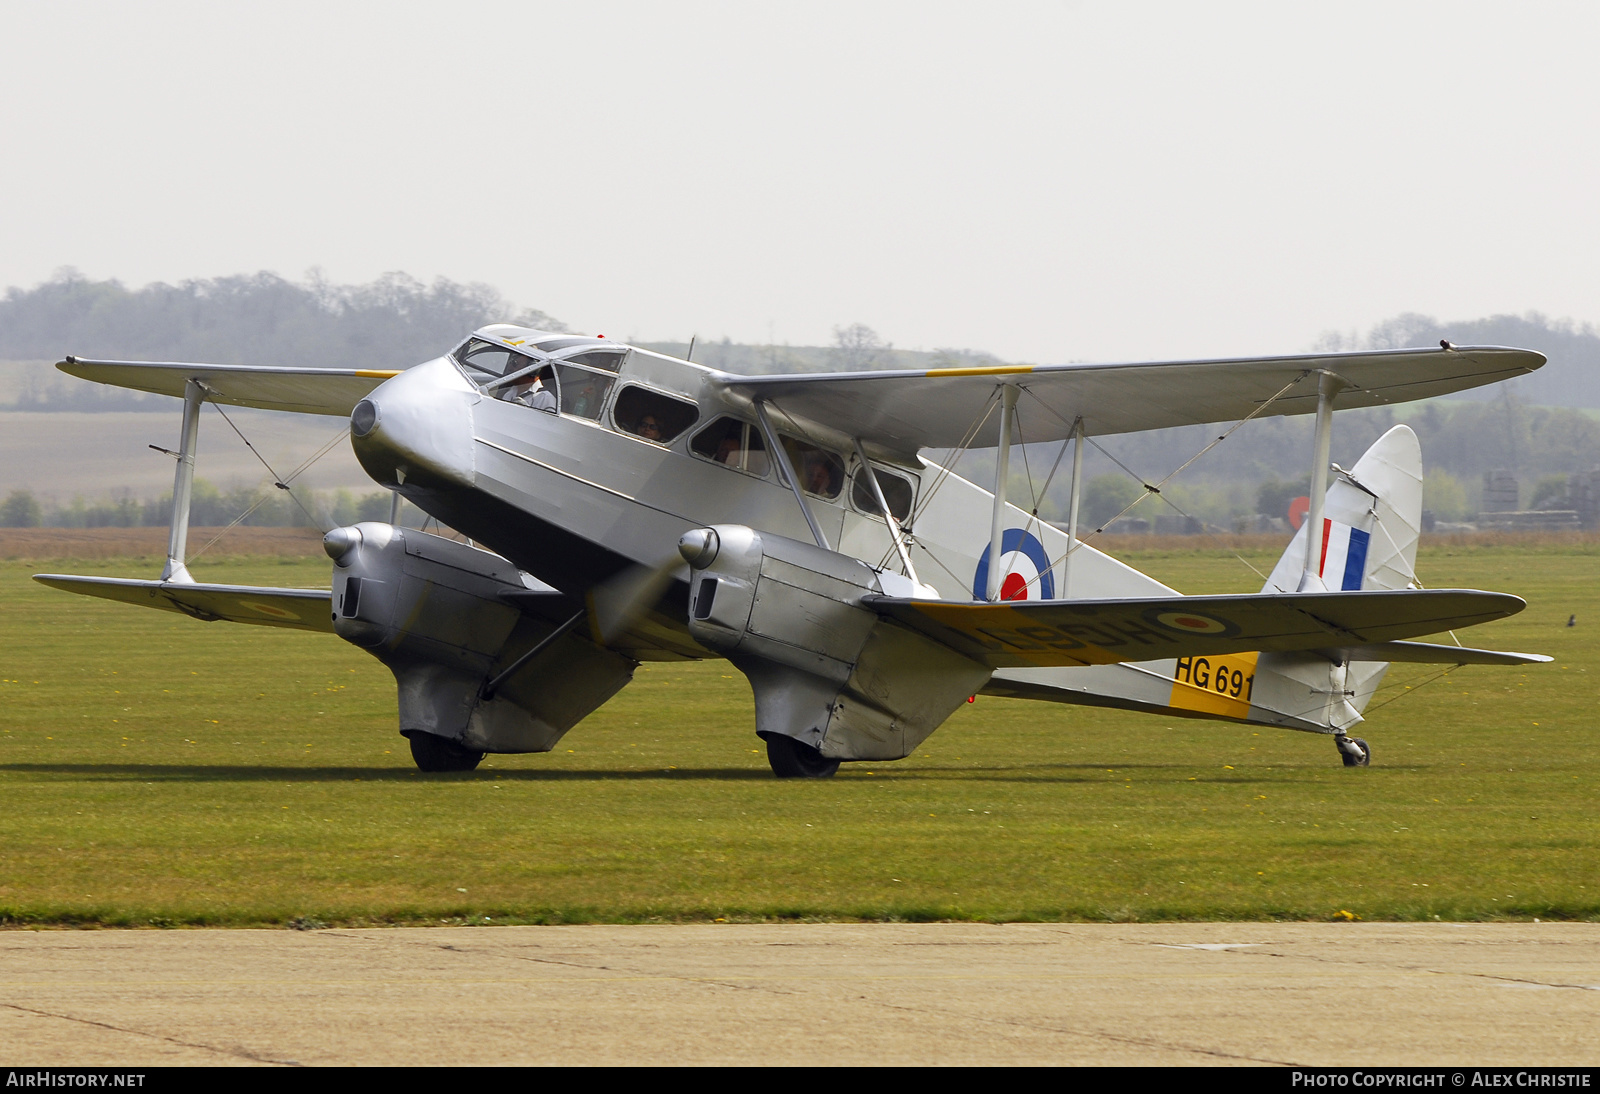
{"x":617,"y":604}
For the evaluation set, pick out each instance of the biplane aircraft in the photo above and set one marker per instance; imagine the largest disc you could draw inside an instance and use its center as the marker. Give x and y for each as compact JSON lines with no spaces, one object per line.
{"x":621,"y":506}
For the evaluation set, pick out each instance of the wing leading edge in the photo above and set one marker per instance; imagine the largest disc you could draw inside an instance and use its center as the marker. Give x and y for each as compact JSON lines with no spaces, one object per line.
{"x":301,"y":390}
{"x":906,"y":411}
{"x":1030,"y":634}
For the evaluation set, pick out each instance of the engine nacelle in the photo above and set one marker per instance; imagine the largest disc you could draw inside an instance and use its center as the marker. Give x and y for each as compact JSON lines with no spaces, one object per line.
{"x":825,"y":668}
{"x":432,"y":610}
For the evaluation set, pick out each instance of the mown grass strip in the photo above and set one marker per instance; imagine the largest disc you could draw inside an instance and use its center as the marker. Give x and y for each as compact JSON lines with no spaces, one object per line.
{"x":157,"y":771}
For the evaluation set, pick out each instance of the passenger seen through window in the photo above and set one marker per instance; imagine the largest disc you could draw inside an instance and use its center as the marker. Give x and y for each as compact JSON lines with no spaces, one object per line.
{"x":651,"y":414}
{"x":821,"y":472}
{"x":583,"y":393}
{"x":732,"y":443}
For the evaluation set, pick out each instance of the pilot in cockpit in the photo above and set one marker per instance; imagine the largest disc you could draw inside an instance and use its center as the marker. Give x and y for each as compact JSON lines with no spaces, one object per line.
{"x":535,"y":390}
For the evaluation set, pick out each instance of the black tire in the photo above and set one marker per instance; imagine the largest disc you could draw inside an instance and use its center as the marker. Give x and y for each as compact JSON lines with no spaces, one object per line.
{"x":435,"y":753}
{"x":790,"y":759}
{"x":1363,"y":760}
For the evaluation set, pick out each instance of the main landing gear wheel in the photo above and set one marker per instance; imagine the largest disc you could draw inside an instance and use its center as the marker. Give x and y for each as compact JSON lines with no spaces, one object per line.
{"x":790,"y":759}
{"x":435,"y":753}
{"x":1353,"y":751}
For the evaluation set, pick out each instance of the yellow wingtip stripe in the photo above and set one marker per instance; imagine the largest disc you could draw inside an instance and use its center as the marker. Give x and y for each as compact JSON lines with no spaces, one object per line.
{"x":377,"y":373}
{"x":990,"y":370}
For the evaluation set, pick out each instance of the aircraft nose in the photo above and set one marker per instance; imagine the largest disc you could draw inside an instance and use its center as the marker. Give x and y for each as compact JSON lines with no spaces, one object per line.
{"x":417,"y":427}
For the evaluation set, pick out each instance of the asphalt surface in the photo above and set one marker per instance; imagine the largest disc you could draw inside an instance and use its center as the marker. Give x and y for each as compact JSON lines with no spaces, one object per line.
{"x":1272,"y":994}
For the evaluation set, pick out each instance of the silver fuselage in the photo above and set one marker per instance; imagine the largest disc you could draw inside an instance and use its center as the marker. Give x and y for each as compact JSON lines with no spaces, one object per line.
{"x":572,"y":499}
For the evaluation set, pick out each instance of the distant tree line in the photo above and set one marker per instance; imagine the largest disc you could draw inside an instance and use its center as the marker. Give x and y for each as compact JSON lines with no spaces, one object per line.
{"x":1572,"y":378}
{"x":1528,"y":426}
{"x":265,"y":507}
{"x":1258,"y":468}
{"x":393,"y":322}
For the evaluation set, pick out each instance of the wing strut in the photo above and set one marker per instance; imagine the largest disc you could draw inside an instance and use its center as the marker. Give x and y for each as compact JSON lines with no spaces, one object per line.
{"x":781,"y":454}
{"x":1002,"y":471}
{"x":1072,"y":508}
{"x":183,"y":485}
{"x":1328,"y":386}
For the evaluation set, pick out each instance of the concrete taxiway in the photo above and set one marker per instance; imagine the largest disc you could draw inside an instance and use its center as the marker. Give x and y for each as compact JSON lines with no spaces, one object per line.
{"x":948,"y":993}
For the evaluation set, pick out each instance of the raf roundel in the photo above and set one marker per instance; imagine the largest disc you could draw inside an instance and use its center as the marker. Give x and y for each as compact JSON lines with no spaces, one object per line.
{"x":1025,"y":568}
{"x":1192,"y":623}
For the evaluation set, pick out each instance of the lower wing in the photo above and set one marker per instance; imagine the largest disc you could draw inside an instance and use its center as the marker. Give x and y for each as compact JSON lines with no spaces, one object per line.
{"x":301,"y":609}
{"x":1102,"y":632}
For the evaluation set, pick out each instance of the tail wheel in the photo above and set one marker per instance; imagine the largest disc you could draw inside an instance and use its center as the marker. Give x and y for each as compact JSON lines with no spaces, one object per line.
{"x":1354,"y":752}
{"x":790,"y":759}
{"x":435,"y":753}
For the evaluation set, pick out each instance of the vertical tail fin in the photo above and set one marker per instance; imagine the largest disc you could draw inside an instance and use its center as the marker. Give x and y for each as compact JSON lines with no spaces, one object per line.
{"x":1369,"y":541}
{"x":1370,"y":529}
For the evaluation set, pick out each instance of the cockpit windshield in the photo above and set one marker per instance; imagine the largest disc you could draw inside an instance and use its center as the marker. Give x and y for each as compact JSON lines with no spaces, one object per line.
{"x":490,"y":359}
{"x":577,"y":383}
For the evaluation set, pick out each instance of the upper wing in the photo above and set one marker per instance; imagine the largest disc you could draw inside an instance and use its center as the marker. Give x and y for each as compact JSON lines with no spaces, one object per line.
{"x":906,"y":411}
{"x":300,"y":609}
{"x":304,"y":390}
{"x":1029,"y":633}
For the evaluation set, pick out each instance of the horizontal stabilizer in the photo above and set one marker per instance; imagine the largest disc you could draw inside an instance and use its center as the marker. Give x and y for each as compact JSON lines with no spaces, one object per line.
{"x":300,"y":390}
{"x":1022,"y":634}
{"x":1430,"y":653}
{"x":301,"y":609}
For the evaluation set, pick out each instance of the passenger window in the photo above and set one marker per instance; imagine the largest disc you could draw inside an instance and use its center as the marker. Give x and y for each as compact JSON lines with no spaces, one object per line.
{"x":732,"y":443}
{"x":583,"y":393}
{"x":652,"y":415}
{"x":896,"y":491}
{"x":486,"y":357}
{"x":821,"y":472}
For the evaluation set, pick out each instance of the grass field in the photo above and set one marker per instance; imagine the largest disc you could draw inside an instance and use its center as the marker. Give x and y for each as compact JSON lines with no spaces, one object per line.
{"x":159,"y":771}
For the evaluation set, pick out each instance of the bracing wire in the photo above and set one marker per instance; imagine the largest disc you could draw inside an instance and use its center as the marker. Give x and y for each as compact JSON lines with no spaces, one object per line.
{"x":1155,"y":488}
{"x":946,"y":470}
{"x":296,"y":473}
{"x":276,"y":479}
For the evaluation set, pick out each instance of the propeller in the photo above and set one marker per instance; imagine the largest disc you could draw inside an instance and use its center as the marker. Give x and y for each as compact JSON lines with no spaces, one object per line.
{"x":619,"y":602}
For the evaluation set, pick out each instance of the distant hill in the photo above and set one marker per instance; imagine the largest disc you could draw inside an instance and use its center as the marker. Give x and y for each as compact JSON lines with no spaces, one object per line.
{"x":264,"y":319}
{"x":1572,"y":378}
{"x":397,"y":321}
{"x":253,"y":319}
{"x":256,"y":319}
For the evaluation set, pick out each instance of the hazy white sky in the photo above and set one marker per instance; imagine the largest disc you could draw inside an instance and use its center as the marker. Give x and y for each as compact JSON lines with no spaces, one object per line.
{"x":1049,"y":181}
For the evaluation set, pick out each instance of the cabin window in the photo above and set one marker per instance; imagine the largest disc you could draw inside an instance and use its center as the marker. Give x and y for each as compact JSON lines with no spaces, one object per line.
{"x":732,"y":443}
{"x":896,"y":491}
{"x":652,"y":415}
{"x":583,"y":393}
{"x":490,"y":359}
{"x":821,"y":472}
